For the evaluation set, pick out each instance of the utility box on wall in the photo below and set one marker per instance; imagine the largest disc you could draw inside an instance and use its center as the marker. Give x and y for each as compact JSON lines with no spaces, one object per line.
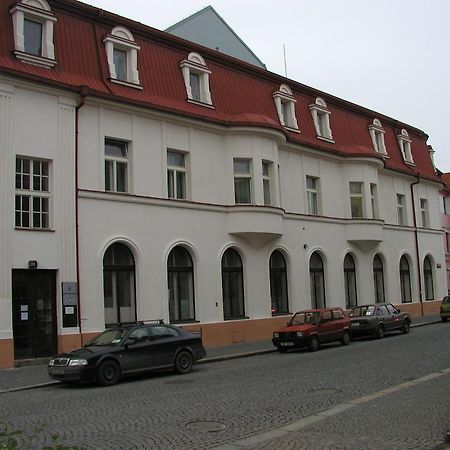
{"x":69,"y":304}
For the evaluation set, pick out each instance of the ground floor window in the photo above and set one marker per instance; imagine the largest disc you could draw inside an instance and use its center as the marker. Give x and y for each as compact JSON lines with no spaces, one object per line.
{"x":317,"y":281}
{"x":278,"y":283}
{"x":350,"y":281}
{"x":405,"y":280}
{"x":378,"y":279}
{"x":428,"y":278}
{"x":232,"y":285}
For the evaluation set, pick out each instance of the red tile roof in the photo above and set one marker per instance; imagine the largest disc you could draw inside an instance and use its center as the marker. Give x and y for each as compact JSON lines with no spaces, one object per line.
{"x":241,"y":93}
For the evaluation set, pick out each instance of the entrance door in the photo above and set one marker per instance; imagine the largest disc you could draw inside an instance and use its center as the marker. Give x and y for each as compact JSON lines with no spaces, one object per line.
{"x":34,"y":313}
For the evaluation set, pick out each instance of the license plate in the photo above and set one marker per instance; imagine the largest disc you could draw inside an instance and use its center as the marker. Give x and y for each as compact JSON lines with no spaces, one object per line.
{"x":58,"y":371}
{"x":356,"y":324}
{"x":286,"y":344}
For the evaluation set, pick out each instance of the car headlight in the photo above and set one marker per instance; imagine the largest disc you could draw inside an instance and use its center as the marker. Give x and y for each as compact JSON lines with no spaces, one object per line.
{"x":78,"y":362}
{"x":276,"y":335}
{"x":51,"y":362}
{"x":298,"y":334}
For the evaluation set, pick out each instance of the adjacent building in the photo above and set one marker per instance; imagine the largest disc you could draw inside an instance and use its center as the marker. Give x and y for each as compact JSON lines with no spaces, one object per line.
{"x":143,"y":176}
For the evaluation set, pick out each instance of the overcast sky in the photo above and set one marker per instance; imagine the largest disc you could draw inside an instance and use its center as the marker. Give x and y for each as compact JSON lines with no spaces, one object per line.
{"x":391,"y":56}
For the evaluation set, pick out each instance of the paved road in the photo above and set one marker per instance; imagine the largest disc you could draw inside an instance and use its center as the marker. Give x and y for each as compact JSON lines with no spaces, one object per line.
{"x":334,"y":398}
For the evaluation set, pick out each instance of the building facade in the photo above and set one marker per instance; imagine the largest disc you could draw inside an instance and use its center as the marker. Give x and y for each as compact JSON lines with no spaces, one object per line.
{"x":145,"y":177}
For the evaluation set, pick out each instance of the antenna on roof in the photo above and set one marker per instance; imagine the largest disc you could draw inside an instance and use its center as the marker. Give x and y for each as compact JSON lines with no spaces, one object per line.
{"x":285,"y":64}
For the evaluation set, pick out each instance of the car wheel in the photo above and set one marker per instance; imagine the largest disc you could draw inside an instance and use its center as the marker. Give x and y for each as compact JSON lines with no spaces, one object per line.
{"x":345,"y":339}
{"x":444,"y":319}
{"x":108,"y":373}
{"x":405,"y":328}
{"x":313,"y":344}
{"x":183,"y":362}
{"x":379,"y":334}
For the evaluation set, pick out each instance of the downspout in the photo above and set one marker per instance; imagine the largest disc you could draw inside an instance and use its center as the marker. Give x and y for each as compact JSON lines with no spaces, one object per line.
{"x":84,"y":92}
{"x":416,"y":238}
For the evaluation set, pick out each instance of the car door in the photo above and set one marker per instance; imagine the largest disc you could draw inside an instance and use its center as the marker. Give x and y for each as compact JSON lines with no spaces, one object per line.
{"x":327,"y":327}
{"x":339,"y":323}
{"x":138,"y":353}
{"x":387,"y":318}
{"x":166,"y":341}
{"x":396,"y":318}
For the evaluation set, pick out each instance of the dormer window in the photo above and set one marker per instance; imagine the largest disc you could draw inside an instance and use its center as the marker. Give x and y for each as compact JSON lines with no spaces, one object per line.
{"x":196,"y":79}
{"x":377,"y":134}
{"x":321,"y":118}
{"x":122,"y":52}
{"x":404,"y":143}
{"x":33,"y":33}
{"x":285,"y":104}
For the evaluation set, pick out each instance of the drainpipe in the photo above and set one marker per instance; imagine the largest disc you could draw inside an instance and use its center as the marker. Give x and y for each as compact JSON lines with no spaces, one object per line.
{"x":84,"y":92}
{"x":416,"y":238}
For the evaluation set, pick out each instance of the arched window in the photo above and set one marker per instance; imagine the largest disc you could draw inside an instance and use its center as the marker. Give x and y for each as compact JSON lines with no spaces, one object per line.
{"x":350,"y":281}
{"x":378,"y":279}
{"x":180,"y":276}
{"x":119,"y":285}
{"x":405,"y":280}
{"x":317,"y":281}
{"x":278,"y":283}
{"x":428,"y":278}
{"x":232,"y":285}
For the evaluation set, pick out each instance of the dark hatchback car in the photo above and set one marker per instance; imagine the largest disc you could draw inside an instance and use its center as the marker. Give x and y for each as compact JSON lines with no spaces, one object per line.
{"x":378,"y":319}
{"x":129,"y":349}
{"x":311,"y":328}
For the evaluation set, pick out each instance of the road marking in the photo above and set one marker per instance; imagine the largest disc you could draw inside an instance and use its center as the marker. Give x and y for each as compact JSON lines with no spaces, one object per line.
{"x":284,"y":430}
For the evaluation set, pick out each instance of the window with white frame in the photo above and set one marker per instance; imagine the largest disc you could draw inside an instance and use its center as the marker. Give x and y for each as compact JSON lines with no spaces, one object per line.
{"x":33,"y":23}
{"x":242,"y":181}
{"x":405,"y":146}
{"x":196,"y":79}
{"x":122,"y":55}
{"x":321,"y":118}
{"x":424,"y":212}
{"x":377,"y":134}
{"x":116,"y":166}
{"x":356,"y":199}
{"x":285,"y":104}
{"x":374,"y":200}
{"x":32,"y":193}
{"x":312,"y":193}
{"x":176,"y":175}
{"x":401,"y":209}
{"x":266,"y":170}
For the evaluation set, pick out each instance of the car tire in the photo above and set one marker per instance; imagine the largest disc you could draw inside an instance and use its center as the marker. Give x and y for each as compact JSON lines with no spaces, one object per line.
{"x":313,"y":344}
{"x":108,"y":373}
{"x":444,"y":319}
{"x":379,"y":333}
{"x":405,"y":327}
{"x":183,"y":362}
{"x":345,"y":340}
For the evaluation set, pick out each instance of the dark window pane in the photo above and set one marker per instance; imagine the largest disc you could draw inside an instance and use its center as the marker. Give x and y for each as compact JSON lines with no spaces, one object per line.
{"x":195,"y":86}
{"x":33,"y":37}
{"x":115,"y":148}
{"x":120,"y":64}
{"x":121,"y":177}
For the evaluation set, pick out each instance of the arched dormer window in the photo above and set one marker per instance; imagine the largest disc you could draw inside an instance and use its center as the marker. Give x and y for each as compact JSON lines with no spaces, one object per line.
{"x":196,"y":79}
{"x":321,"y":118}
{"x":285,"y":104}
{"x":121,"y":52}
{"x":404,"y":143}
{"x":377,"y":134}
{"x":33,"y":32}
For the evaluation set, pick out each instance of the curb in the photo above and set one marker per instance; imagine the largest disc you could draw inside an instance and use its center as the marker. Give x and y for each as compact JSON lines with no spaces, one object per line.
{"x":214,"y":359}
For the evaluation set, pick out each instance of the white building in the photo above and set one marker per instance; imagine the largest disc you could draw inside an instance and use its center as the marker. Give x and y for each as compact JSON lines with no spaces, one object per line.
{"x":145,"y":177}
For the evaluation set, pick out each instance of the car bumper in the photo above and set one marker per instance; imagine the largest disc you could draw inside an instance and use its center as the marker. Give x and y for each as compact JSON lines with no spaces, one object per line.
{"x":360,"y":331}
{"x":445,"y":314}
{"x":72,"y":373}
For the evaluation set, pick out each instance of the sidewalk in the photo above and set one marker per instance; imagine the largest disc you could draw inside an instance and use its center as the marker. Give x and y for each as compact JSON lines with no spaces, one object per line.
{"x":29,"y":377}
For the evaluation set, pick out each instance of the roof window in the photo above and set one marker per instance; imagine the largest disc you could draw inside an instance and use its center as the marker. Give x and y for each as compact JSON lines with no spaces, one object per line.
{"x":321,"y":118}
{"x":404,"y":143}
{"x":377,"y":134}
{"x":196,"y":79}
{"x":285,"y":104}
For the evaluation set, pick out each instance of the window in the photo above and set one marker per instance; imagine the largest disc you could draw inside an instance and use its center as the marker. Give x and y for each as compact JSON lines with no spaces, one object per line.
{"x":119,"y":285}
{"x":180,"y":275}
{"x":321,"y":118}
{"x":232,"y":285}
{"x":122,"y":55}
{"x":278,"y":283}
{"x":176,"y":175}
{"x":242,"y":181}
{"x":285,"y":105}
{"x":447,"y":242}
{"x":32,"y":193}
{"x":404,"y":143}
{"x":428,"y":278}
{"x":377,"y":134}
{"x":356,"y":199}
{"x":401,"y":210}
{"x":33,"y":23}
{"x":312,"y":187}
{"x":350,"y":281}
{"x":196,"y":79}
{"x":378,"y":279}
{"x":266,"y":169}
{"x":317,"y":281}
{"x":424,"y":212}
{"x":405,"y":280}
{"x":374,"y":200}
{"x":116,"y":166}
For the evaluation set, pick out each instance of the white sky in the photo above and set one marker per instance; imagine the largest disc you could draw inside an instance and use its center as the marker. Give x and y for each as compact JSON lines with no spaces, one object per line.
{"x":391,"y":56}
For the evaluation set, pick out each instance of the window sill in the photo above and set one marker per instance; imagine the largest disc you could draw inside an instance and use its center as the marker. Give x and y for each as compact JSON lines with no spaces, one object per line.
{"x":184,"y":321}
{"x":294,"y":130}
{"x":40,"y":230}
{"x":196,"y":102}
{"x":280,"y":314}
{"x":236,"y":318}
{"x":410,"y":163}
{"x":326,"y":139}
{"x":126,"y":83}
{"x":35,"y":60}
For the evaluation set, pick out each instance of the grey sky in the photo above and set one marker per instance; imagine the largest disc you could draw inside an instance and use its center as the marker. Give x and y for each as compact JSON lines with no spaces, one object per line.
{"x":392,"y":56}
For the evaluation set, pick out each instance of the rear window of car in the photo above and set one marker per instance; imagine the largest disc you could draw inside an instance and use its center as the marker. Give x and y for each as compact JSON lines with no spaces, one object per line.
{"x":338,"y":314}
{"x":362,"y":311}
{"x":161,"y":331}
{"x":392,"y":309}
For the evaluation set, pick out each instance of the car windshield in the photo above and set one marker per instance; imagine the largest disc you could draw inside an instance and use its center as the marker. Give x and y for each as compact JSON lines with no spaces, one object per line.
{"x":301,"y":318}
{"x":362,"y":311}
{"x":107,"y":338}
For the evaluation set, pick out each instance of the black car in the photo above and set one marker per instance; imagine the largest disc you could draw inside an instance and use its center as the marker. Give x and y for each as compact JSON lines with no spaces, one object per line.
{"x":129,"y":349}
{"x":377,"y":319}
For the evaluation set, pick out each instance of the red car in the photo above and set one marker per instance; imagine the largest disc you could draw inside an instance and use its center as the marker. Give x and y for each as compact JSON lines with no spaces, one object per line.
{"x":311,"y":328}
